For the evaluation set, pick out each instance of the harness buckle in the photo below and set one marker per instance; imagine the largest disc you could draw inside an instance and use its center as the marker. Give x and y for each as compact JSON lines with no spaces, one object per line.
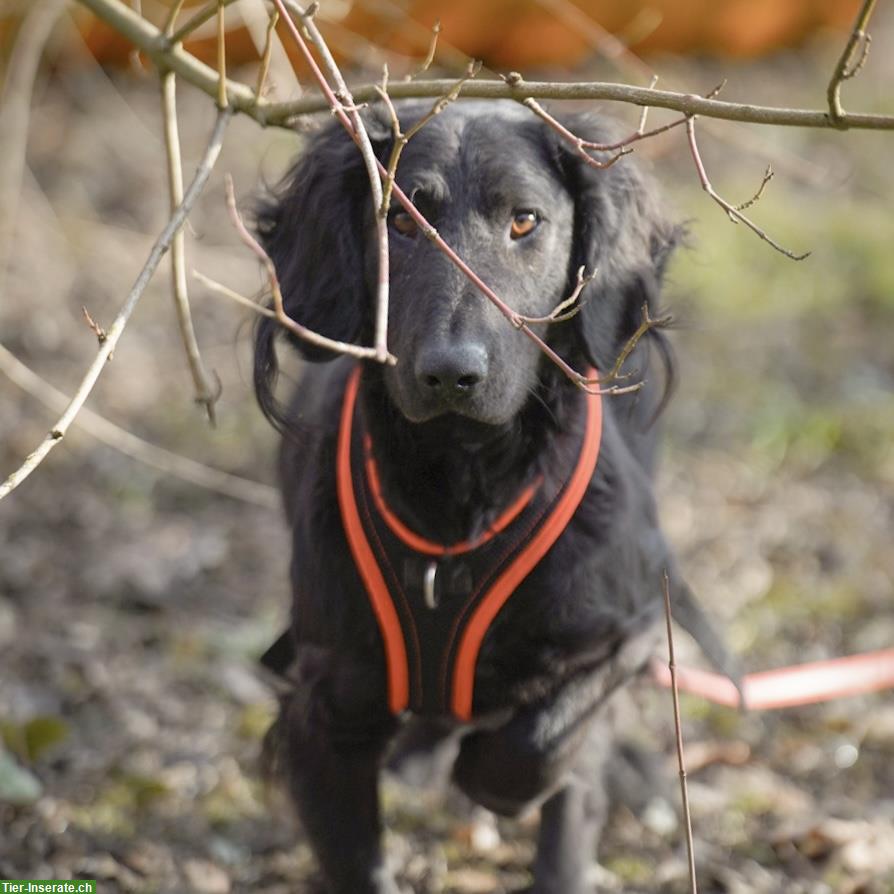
{"x":428,"y":585}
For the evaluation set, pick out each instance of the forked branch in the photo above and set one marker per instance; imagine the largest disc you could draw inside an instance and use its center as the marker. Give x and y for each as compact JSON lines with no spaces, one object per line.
{"x":564,"y":310}
{"x":735,"y":212}
{"x":852,"y":60}
{"x":278,"y":311}
{"x":401,"y":139}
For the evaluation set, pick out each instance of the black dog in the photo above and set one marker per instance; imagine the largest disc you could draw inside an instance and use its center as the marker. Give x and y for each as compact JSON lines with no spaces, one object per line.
{"x":457,"y":557}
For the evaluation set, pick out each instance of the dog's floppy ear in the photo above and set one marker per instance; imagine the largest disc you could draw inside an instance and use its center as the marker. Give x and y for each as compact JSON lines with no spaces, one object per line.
{"x":312,"y":226}
{"x":622,"y":234}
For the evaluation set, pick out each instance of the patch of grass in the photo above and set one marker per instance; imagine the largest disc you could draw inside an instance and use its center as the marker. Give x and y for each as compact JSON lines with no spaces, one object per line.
{"x":630,"y":868}
{"x":36,"y":736}
{"x":734,"y":275}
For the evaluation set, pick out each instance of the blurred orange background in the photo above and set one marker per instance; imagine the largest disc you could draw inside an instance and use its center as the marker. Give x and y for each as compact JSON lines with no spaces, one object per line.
{"x":511,"y":34}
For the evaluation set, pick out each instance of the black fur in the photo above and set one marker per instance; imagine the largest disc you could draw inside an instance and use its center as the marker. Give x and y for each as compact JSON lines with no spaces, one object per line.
{"x":467,"y":417}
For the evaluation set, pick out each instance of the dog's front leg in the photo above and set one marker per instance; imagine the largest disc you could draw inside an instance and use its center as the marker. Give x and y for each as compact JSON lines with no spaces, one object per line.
{"x":551,"y":753}
{"x":571,"y":821}
{"x":333,"y":760}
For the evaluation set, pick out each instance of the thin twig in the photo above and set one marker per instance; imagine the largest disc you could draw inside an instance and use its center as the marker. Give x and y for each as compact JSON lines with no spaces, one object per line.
{"x":565,"y":309}
{"x":684,"y":788}
{"x":171,"y":20}
{"x":161,"y":245}
{"x":646,"y":325}
{"x":733,"y":212}
{"x":716,"y":90}
{"x":641,"y":129}
{"x":276,"y":76}
{"x":219,"y":288}
{"x":432,"y":49}
{"x":95,"y":328}
{"x":267,"y":54}
{"x":846,"y":68}
{"x":768,"y":176}
{"x":222,"y":101}
{"x":279,"y":311}
{"x":130,"y":445}
{"x":206,"y":395}
{"x":199,"y":19}
{"x":584,"y":147}
{"x":620,"y":147}
{"x":603,"y":41}
{"x":136,"y":63}
{"x":15,"y":111}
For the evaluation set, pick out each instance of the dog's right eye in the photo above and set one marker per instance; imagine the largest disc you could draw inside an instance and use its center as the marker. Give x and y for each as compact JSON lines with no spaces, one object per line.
{"x":524,"y":223}
{"x":404,"y":224}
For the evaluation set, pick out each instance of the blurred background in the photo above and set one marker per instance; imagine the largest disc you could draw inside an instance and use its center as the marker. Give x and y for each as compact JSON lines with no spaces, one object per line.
{"x":134,"y":603}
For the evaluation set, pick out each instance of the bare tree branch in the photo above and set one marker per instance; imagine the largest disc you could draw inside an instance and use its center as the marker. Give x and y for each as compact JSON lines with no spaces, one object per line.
{"x":162,"y":244}
{"x":686,"y":103}
{"x":859,"y":40}
{"x":167,"y":53}
{"x":627,"y":62}
{"x":129,"y":444}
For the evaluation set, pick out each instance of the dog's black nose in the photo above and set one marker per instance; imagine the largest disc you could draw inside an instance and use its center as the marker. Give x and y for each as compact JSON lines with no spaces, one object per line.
{"x":454,"y":371}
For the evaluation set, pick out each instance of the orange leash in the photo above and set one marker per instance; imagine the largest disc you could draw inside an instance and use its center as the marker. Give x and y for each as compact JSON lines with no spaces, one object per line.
{"x":787,"y":687}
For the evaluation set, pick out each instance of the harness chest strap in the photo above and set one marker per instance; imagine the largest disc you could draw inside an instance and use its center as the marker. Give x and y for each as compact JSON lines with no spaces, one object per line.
{"x":531,"y":526}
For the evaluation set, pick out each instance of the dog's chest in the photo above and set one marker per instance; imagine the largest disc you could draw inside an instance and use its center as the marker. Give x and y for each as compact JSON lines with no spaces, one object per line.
{"x":434,"y":604}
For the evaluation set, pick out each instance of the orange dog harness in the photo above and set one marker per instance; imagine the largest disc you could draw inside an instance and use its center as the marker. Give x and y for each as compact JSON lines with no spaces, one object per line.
{"x":434,"y":603}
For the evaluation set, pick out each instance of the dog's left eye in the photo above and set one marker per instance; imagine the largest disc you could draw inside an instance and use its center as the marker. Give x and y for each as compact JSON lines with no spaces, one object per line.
{"x":404,"y":224}
{"x":523,"y":224}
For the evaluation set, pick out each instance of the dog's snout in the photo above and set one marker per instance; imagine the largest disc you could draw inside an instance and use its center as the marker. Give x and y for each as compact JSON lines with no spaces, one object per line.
{"x":452,"y":371}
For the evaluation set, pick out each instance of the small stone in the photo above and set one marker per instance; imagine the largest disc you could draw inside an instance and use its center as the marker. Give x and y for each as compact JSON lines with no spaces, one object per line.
{"x":206,"y":878}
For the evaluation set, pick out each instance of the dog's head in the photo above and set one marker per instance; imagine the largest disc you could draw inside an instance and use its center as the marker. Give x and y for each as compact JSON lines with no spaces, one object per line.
{"x":522,"y":209}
